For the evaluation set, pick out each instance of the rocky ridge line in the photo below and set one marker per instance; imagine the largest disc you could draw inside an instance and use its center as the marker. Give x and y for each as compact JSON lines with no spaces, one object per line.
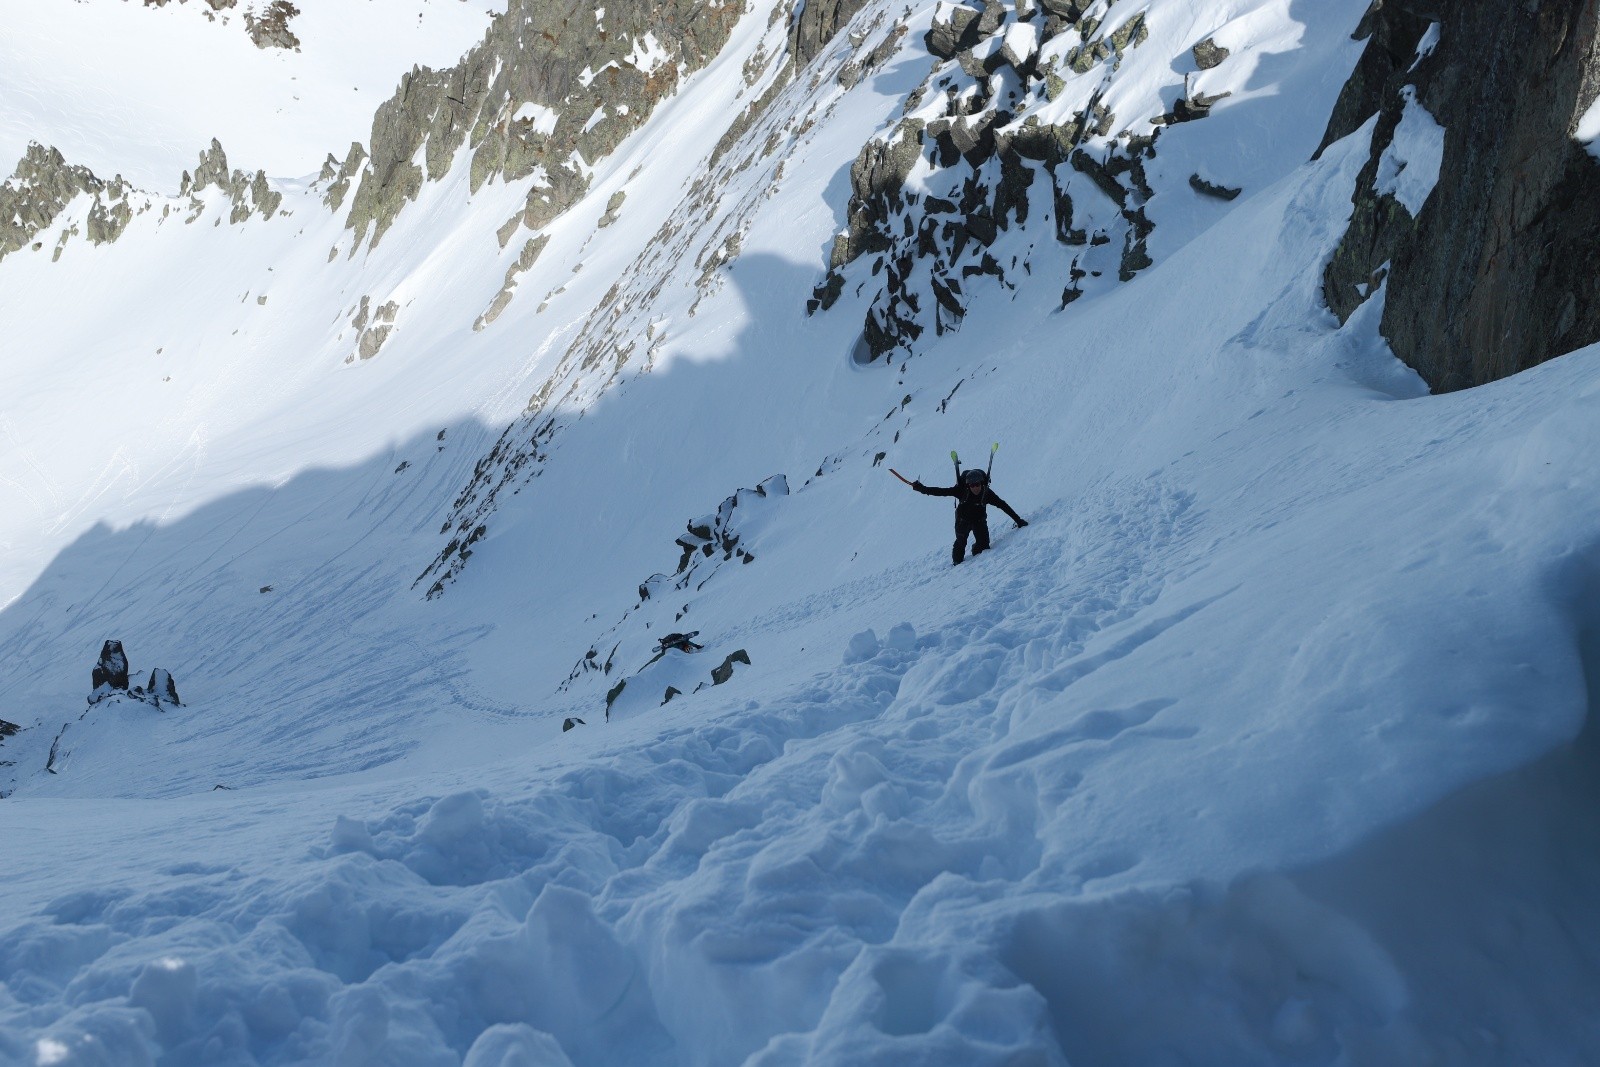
{"x":982,"y":136}
{"x":44,"y":185}
{"x":623,"y":333}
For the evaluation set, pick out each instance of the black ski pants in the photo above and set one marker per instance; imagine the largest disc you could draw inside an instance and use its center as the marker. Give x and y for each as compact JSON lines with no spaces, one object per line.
{"x":974,"y":526}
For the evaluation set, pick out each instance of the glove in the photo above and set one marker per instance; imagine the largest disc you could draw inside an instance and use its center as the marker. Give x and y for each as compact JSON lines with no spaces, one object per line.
{"x":1021,"y":523}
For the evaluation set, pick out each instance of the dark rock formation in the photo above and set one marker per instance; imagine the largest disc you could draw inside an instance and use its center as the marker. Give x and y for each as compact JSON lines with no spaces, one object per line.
{"x":707,"y":544}
{"x":161,"y":688}
{"x":1211,"y":189}
{"x":1208,"y":54}
{"x":816,"y":25}
{"x":1500,"y":270}
{"x":112,"y":670}
{"x":987,"y":172}
{"x":110,"y":679}
{"x":724,"y":671}
{"x":570,"y":721}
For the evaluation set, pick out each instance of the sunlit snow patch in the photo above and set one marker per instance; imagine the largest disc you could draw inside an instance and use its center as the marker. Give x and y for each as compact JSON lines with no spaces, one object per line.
{"x":1409,"y":168}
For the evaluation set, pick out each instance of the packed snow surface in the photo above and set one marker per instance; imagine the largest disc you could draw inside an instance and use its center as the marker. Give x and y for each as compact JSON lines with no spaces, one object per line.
{"x":125,"y":88}
{"x":1263,"y":743}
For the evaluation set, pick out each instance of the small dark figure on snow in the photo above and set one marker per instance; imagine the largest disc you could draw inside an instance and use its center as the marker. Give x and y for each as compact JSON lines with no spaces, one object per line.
{"x":681,"y":642}
{"x":973,"y":498}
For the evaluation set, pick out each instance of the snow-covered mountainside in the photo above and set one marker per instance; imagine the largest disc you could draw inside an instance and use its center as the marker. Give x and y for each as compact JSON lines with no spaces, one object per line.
{"x":1263,"y":742}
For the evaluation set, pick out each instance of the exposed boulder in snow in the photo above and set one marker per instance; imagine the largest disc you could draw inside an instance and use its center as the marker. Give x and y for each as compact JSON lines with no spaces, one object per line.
{"x":109,"y":680}
{"x":708,"y":544}
{"x":1208,"y":53}
{"x":668,"y":674}
{"x":8,"y":776}
{"x":112,"y":670}
{"x":373,"y":326}
{"x":1212,"y":189}
{"x":1505,"y":237}
{"x":955,"y":29}
{"x":618,"y":66}
{"x":161,"y":687}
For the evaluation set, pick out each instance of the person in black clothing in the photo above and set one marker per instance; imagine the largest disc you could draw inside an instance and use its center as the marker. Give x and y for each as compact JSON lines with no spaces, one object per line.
{"x":973,"y":498}
{"x":681,"y":642}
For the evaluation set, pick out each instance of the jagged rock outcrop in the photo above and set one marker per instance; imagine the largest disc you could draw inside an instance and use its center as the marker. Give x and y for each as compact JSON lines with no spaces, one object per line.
{"x":161,"y":687}
{"x":111,"y":672}
{"x":707,"y":543}
{"x":338,"y":175}
{"x":1498,"y":268}
{"x":816,"y":24}
{"x":270,"y":28}
{"x":373,"y":326}
{"x":109,"y":680}
{"x":974,"y":135}
{"x":550,"y":90}
{"x":718,"y":534}
{"x":42,"y":186}
{"x":251,"y":194}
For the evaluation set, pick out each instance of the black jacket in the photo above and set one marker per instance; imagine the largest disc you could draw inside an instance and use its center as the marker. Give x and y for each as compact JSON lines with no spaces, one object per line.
{"x":970,"y":507}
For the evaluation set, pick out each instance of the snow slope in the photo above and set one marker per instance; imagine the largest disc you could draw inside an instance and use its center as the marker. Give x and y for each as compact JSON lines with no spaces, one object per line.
{"x":125,"y":88}
{"x":1264,"y":743}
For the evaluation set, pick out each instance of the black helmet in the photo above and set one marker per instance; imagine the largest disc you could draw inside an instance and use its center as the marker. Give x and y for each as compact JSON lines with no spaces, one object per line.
{"x":974,"y":477}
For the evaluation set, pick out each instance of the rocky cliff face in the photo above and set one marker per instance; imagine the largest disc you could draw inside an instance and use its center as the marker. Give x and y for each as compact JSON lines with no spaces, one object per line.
{"x":554,"y":86}
{"x":1498,"y":269}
